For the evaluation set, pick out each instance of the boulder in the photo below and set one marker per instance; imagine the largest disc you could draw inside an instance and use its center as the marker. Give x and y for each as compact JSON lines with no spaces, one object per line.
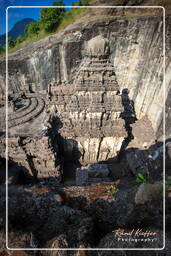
{"x":146,"y":192}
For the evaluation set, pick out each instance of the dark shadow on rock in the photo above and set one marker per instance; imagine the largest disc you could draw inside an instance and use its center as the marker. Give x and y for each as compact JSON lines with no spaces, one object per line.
{"x":2,"y":170}
{"x":129,"y":117}
{"x":67,"y":149}
{"x":149,"y":162}
{"x":17,"y":174}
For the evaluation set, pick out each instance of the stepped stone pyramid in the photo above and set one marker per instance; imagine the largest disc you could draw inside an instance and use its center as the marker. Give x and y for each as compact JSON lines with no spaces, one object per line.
{"x":90,"y":108}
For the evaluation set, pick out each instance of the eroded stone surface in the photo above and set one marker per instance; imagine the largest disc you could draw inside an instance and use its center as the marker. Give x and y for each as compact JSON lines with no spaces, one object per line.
{"x":58,"y":57}
{"x":90,"y":109}
{"x":80,"y":121}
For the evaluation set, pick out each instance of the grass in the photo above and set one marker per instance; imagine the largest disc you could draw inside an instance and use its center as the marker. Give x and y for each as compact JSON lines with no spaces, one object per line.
{"x":27,"y":41}
{"x":70,"y":17}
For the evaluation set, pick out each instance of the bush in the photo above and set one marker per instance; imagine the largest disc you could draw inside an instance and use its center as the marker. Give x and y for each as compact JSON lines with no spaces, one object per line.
{"x":2,"y":49}
{"x":51,"y":17}
{"x":11,"y":42}
{"x":112,"y":191}
{"x":32,"y":29}
{"x":85,"y":2}
{"x":20,"y":39}
{"x":140,"y":178}
{"x":81,"y":3}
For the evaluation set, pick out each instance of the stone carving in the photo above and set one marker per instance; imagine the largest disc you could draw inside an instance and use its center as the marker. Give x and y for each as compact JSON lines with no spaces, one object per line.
{"x":29,"y":145}
{"x":82,"y":120}
{"x":98,"y":46}
{"x":90,"y":108}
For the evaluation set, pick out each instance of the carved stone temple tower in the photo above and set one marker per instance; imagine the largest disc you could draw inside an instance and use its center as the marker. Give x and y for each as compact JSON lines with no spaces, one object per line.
{"x":90,"y":108}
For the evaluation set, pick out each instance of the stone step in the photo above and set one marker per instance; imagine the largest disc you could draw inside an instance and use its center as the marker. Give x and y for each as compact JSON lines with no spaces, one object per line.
{"x":98,"y":180}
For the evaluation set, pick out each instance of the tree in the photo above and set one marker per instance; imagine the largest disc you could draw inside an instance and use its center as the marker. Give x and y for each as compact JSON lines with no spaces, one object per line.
{"x":32,"y":28}
{"x":50,"y":18}
{"x":11,"y":42}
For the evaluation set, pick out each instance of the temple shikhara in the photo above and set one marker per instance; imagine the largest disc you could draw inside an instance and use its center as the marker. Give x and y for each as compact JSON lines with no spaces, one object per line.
{"x":90,"y":108}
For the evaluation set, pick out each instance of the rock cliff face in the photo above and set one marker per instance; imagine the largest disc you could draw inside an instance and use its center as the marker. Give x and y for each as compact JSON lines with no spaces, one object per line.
{"x":136,"y":52}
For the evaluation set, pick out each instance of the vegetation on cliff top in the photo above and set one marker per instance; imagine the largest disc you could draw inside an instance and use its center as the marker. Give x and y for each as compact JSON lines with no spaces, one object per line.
{"x":53,"y":20}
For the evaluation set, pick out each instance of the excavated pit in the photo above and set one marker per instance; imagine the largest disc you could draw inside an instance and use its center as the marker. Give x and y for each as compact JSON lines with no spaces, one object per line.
{"x":56,"y":134}
{"x":87,"y":124}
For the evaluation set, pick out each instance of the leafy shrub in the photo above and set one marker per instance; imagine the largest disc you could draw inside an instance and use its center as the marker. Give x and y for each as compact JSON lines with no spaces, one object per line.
{"x":140,"y":178}
{"x":33,"y":28}
{"x":81,"y":3}
{"x":20,"y":39}
{"x":11,"y":42}
{"x":85,"y":2}
{"x":51,"y":17}
{"x":112,"y":190}
{"x":2,"y":49}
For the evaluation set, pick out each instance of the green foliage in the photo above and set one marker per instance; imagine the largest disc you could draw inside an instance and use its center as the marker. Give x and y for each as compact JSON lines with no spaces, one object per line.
{"x":84,"y":2}
{"x":140,"y":178}
{"x":74,"y":3}
{"x":112,"y":190}
{"x":71,"y":16}
{"x":169,"y":183}
{"x":51,"y":17}
{"x":81,"y":3}
{"x":2,"y":49}
{"x":32,"y":29}
{"x":20,"y":39}
{"x":11,"y":42}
